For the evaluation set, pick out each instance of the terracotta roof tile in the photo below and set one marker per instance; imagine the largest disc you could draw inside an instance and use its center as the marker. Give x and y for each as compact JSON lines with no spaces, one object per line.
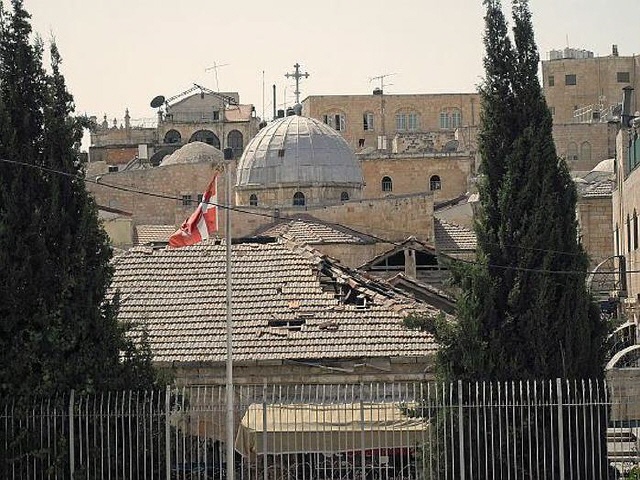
{"x":179,"y":296}
{"x":451,"y":237}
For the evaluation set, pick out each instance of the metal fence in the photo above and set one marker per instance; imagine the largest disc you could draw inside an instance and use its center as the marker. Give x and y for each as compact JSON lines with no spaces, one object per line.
{"x":517,"y":430}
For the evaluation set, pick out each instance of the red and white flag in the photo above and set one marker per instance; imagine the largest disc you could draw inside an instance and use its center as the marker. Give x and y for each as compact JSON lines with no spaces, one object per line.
{"x":202,"y":222}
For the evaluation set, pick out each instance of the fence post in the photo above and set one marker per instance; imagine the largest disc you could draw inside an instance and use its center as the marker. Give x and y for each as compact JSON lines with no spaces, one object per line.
{"x":72,"y":453}
{"x":167,"y":431}
{"x":560,"y":428}
{"x":461,"y":431}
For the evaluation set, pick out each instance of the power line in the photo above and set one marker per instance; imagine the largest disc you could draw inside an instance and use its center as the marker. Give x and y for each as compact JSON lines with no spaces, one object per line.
{"x":302,"y":220}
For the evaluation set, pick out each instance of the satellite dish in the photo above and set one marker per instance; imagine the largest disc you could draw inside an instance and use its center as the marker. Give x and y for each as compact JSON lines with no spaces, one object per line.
{"x":157,"y":101}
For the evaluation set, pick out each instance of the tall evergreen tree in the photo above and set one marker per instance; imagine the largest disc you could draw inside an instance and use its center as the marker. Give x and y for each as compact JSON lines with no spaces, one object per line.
{"x":57,"y":329}
{"x":524,"y":312}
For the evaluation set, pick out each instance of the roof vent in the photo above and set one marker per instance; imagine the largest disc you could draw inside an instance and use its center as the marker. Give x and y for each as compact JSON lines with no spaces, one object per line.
{"x":377,"y":91}
{"x":280,"y":113}
{"x":290,"y":112}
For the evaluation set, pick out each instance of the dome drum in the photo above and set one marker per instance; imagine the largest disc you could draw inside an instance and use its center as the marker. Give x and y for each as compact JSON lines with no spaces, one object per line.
{"x":283,"y":197}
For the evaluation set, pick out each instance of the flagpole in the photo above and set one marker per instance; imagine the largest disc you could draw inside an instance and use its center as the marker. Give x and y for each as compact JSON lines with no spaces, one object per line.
{"x":228,"y":155}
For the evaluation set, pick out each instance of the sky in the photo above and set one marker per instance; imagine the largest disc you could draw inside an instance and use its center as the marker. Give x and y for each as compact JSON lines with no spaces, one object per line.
{"x":120,"y":54}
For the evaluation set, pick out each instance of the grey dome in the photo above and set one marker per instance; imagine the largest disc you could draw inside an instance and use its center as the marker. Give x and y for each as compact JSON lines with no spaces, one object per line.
{"x":194,"y":152}
{"x":299,"y":151}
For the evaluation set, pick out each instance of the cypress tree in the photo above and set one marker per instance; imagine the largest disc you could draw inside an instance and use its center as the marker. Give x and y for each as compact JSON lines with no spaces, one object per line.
{"x":57,"y":328}
{"x":524,"y":312}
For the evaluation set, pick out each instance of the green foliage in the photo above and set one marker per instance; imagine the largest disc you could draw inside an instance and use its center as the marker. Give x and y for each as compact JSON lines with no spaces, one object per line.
{"x":524,"y":311}
{"x":58,"y":329}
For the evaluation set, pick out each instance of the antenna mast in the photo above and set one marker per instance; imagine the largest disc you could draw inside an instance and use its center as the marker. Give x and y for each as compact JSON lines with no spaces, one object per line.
{"x":381,"y":78}
{"x":215,"y":68}
{"x":297,"y":76}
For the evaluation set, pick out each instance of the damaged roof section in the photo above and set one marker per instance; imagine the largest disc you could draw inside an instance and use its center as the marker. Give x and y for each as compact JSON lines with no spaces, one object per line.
{"x":289,"y":303}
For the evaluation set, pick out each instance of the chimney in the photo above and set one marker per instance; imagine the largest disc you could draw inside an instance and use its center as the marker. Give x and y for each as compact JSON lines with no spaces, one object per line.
{"x":614,"y":50}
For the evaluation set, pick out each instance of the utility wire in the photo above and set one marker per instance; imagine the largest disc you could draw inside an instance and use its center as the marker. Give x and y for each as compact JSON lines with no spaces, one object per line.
{"x":302,"y":220}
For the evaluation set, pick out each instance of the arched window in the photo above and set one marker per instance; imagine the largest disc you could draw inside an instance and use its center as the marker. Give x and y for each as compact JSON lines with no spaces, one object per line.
{"x":172,"y":136}
{"x":585,"y":152}
{"x":235,"y":141}
{"x":572,"y":152}
{"x":206,"y":136}
{"x":435,"y":183}
{"x":344,"y":196}
{"x":253,"y":200}
{"x":407,"y":121}
{"x":450,"y":118}
{"x":298,"y":199}
{"x":387,"y":184}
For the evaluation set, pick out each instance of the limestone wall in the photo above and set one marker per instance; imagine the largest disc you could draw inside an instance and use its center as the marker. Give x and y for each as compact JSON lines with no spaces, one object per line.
{"x":584,"y":145}
{"x":412,"y":174}
{"x":384,"y":109}
{"x":596,"y":81}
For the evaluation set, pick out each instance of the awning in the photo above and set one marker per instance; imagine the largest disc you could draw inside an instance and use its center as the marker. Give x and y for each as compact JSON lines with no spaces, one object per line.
{"x":306,"y":428}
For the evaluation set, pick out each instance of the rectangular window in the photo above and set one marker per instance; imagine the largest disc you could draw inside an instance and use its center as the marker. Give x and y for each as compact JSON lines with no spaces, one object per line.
{"x":570,"y":79}
{"x":216,"y":115}
{"x":113,"y":168}
{"x":367,"y":120}
{"x":401,"y":122}
{"x":456,"y":119}
{"x":551,"y":81}
{"x":623,"y":77}
{"x":444,"y":120}
{"x":413,"y":121}
{"x":552,"y":110}
{"x":186,"y":200}
{"x":200,"y":197}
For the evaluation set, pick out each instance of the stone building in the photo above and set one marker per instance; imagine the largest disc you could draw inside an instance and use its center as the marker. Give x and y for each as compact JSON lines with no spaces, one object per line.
{"x":580,"y":87}
{"x":584,"y":94}
{"x":626,"y":208}
{"x":197,"y":114}
{"x":379,"y":120}
{"x":296,"y":166}
{"x":298,"y":316}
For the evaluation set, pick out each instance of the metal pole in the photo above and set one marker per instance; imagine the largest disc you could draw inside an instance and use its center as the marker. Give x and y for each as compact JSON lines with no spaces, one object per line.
{"x":560,"y":429}
{"x":229,"y":369}
{"x":461,"y":430}
{"x":72,"y":453}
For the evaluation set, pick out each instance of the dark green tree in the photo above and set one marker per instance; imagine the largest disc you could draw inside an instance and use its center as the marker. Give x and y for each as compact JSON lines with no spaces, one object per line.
{"x":58,"y":328}
{"x":524,"y":312}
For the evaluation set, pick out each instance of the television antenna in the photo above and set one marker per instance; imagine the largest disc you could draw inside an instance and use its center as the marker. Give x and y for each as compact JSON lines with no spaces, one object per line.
{"x":215,"y":68}
{"x":381,"y":78}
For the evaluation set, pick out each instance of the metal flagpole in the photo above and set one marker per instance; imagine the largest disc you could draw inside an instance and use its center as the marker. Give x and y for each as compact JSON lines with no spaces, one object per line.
{"x":228,"y":155}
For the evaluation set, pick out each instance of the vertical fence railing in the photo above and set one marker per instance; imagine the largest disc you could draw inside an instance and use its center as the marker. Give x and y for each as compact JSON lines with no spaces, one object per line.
{"x":554,"y":429}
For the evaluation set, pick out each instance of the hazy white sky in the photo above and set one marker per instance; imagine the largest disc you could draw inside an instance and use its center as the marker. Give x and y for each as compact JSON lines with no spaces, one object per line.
{"x":122,"y":53}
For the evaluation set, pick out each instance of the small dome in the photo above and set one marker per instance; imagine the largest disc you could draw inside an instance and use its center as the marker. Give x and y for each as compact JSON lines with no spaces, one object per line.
{"x":298,"y":151}
{"x":194,"y":152}
{"x":605,"y":166}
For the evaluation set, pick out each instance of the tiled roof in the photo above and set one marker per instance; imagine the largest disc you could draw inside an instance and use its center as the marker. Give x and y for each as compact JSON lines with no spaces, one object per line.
{"x":450,"y":237}
{"x":179,"y":295}
{"x":146,"y":234}
{"x":311,"y":231}
{"x":601,"y":189}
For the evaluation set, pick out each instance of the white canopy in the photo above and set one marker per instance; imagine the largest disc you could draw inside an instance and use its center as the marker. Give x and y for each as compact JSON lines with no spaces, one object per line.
{"x":306,"y":428}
